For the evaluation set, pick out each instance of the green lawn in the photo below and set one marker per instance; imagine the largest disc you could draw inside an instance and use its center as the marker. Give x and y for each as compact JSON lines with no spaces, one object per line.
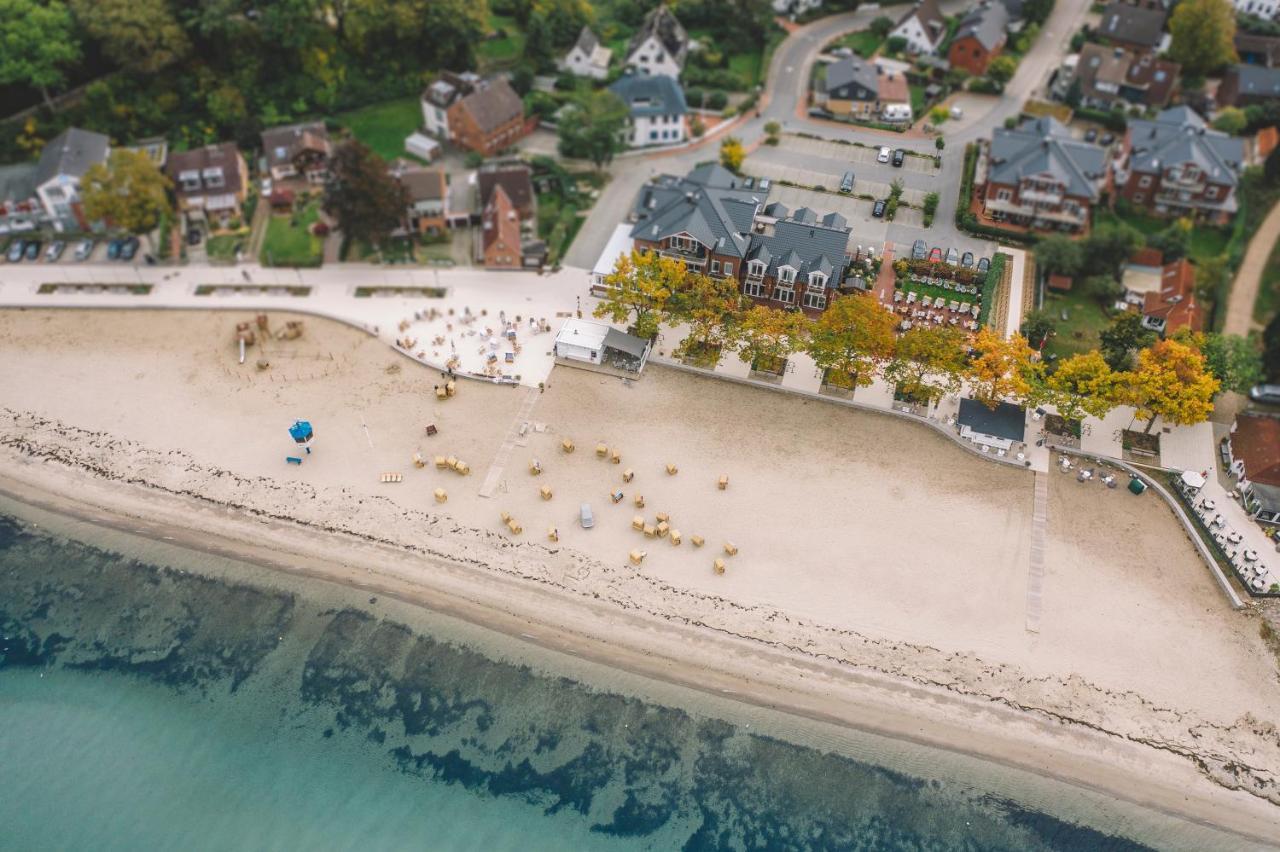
{"x":289,"y":241}
{"x":746,"y":66}
{"x":863,"y":42}
{"x":384,"y":126}
{"x":917,"y":101}
{"x":1079,"y":332}
{"x":223,"y":246}
{"x":502,"y":50}
{"x":1205,"y":242}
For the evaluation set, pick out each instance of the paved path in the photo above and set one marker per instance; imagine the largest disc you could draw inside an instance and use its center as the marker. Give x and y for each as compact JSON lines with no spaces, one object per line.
{"x":1244,"y":292}
{"x":519,"y":426}
{"x":1035,"y":571}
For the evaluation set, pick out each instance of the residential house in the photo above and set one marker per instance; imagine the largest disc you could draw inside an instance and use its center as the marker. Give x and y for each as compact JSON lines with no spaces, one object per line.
{"x":502,"y":244}
{"x":298,"y":151}
{"x":516,"y":179}
{"x":1175,"y":165}
{"x":1115,"y":77}
{"x":588,"y":57}
{"x":20,"y":207}
{"x":1137,"y":28}
{"x":438,"y":97}
{"x":657,"y":107}
{"x":1257,"y":49}
{"x":863,"y":89}
{"x":210,"y":183}
{"x":489,"y":119}
{"x":1040,"y":176}
{"x":660,"y":45}
{"x":1143,"y":274}
{"x":155,"y":147}
{"x":716,"y":224}
{"x":1174,"y":306}
{"x":980,"y":38}
{"x":795,"y":7}
{"x":1264,"y":9}
{"x":426,"y":191}
{"x":1253,"y":452}
{"x":923,"y":26}
{"x":62,"y":164}
{"x":1244,"y":85}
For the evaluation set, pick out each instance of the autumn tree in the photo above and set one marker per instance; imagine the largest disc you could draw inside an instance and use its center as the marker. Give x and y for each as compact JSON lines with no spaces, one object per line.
{"x":1083,"y":384}
{"x":127,"y":191}
{"x":1171,"y":381}
{"x":1231,"y":120}
{"x":37,"y":43}
{"x":928,"y":363}
{"x":368,"y":202}
{"x":854,"y":335}
{"x":638,"y":290}
{"x":1203,"y":35}
{"x":1002,"y":369}
{"x":710,"y":306}
{"x":732,"y":154}
{"x":766,"y":336}
{"x":597,"y":128}
{"x":138,"y":35}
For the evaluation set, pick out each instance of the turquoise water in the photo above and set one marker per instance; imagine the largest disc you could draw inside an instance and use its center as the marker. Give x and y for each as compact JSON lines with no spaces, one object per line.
{"x":144,"y":706}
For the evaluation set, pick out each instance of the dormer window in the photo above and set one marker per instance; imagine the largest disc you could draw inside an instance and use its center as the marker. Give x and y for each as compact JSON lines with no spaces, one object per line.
{"x":755,"y":268}
{"x":817,"y":281}
{"x":786,"y":274}
{"x":190,"y":180}
{"x":213,"y":178}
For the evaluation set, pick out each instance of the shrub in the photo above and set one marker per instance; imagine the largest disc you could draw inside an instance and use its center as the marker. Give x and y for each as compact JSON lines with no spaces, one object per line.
{"x":896,"y":44}
{"x":694,"y":98}
{"x":473,"y":159}
{"x":717,"y":100}
{"x":697,"y":127}
{"x":320,"y":229}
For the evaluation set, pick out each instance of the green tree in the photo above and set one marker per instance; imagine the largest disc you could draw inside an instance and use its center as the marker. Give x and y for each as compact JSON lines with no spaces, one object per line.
{"x":596,"y":129}
{"x":1171,"y":381}
{"x":881,"y":26}
{"x":1235,"y":361}
{"x":37,"y":43}
{"x":1109,"y":247}
{"x":361,"y":194}
{"x":553,"y":25}
{"x":710,"y":305}
{"x":1002,"y":69}
{"x":127,"y":191}
{"x":1083,"y":384}
{"x":929,"y":361}
{"x":769,"y":335}
{"x":939,"y":143}
{"x":854,"y":335}
{"x":1059,"y":255}
{"x":1271,"y":349}
{"x":732,"y":154}
{"x":1125,"y":335}
{"x":639,"y":288}
{"x":1203,"y":35}
{"x":773,"y":130}
{"x":1037,"y":326}
{"x":1213,"y":276}
{"x":1231,"y":120}
{"x":142,"y":36}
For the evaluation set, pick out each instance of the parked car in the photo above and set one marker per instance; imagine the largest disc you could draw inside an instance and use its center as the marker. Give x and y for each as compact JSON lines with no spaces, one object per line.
{"x":1091,"y":134}
{"x":884,"y":155}
{"x":84,"y":249}
{"x":1107,"y":139}
{"x":113,"y":249}
{"x":764,"y":184}
{"x":17,"y":249}
{"x":967,"y":260}
{"x":919,"y":249}
{"x":1265,"y":393}
{"x":935,"y":256}
{"x":129,"y":249}
{"x":899,"y":156}
{"x":819,"y":112}
{"x":193,"y":237}
{"x":587,"y":519}
{"x":878,"y":209}
{"x":54,"y":251}
{"x":952,"y":256}
{"x":749,"y":182}
{"x":846,"y":182}
{"x":267,"y":186}
{"x":984,"y":263}
{"x":33,"y":250}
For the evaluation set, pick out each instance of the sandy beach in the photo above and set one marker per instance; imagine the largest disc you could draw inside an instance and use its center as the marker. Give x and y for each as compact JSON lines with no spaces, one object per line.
{"x":880,"y":580}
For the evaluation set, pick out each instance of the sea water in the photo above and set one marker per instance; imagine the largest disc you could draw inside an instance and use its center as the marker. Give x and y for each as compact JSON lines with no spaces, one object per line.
{"x":157,"y":698}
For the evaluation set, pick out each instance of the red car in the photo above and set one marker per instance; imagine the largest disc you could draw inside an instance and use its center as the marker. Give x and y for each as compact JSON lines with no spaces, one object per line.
{"x":935,"y":256}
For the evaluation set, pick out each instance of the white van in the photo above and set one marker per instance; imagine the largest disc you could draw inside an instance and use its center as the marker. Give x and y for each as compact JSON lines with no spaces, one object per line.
{"x":896,"y":112}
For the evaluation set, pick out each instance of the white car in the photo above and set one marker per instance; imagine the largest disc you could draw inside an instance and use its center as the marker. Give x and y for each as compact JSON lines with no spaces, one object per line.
{"x":884,"y":155}
{"x":266,"y":187}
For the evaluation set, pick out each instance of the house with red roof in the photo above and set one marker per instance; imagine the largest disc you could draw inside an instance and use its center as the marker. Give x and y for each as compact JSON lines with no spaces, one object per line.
{"x":1174,"y":306}
{"x":1253,"y":451}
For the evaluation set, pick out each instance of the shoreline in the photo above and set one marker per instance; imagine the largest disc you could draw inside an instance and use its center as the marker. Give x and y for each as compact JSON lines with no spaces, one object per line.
{"x":695,"y":655}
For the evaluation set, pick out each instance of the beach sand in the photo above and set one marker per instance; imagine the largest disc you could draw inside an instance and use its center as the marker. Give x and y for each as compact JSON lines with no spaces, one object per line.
{"x":880,"y":580}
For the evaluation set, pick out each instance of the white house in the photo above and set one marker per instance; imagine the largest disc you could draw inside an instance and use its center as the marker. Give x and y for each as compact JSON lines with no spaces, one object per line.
{"x":1265,"y":9}
{"x":597,"y":344}
{"x":795,"y":7}
{"x":440,"y":95}
{"x":588,"y":57}
{"x":923,"y":27}
{"x":659,"y":46}
{"x":657,"y":108}
{"x":62,"y":163}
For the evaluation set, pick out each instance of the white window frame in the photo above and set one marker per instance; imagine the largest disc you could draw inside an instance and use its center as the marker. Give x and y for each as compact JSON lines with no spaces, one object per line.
{"x":753,"y":287}
{"x":786,"y":274}
{"x":816,"y":299}
{"x":784,"y":293}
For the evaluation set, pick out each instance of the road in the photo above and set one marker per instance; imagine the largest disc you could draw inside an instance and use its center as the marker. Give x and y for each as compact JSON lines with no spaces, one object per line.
{"x":785,"y":101}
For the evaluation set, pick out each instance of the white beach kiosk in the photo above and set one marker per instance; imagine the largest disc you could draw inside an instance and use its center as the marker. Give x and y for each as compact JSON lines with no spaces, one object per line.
{"x":594,"y":345}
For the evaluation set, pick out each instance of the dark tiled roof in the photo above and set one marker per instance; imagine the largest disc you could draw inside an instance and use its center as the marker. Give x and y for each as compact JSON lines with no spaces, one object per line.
{"x":17,"y":182}
{"x":225,"y":156}
{"x":420,"y":183}
{"x":492,"y":104}
{"x":71,"y":152}
{"x":1179,"y":135}
{"x":663,"y":24}
{"x":1044,"y":146}
{"x":587,"y":41}
{"x":647,"y":95}
{"x":282,"y":144}
{"x":852,"y":70}
{"x":1256,"y":440}
{"x":710,"y":204}
{"x":514,"y":178}
{"x":1007,"y":421}
{"x":1256,"y":81}
{"x":1132,"y":24}
{"x":1267,"y":48}
{"x":986,"y":23}
{"x":931,"y":18}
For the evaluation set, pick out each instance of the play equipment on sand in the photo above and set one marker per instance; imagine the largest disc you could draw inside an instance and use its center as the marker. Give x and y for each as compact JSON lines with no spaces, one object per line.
{"x":244,"y":337}
{"x":302,"y":435}
{"x":637,"y":556}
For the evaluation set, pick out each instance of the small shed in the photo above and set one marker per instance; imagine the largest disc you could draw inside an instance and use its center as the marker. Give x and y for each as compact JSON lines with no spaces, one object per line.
{"x":581,"y":342}
{"x":1059,"y":283}
{"x":999,"y":427}
{"x":422,"y":145}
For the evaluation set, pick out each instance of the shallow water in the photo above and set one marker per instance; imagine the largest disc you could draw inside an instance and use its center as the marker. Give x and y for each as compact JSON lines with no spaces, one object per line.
{"x":158,"y":698}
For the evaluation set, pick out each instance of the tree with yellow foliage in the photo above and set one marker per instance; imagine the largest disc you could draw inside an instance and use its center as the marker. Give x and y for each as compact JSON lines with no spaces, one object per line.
{"x":1171,"y":380}
{"x":639,"y":287}
{"x":929,"y":362}
{"x":1003,"y":369}
{"x":1083,"y":384}
{"x":854,"y":335}
{"x":766,"y":336}
{"x":732,"y":154}
{"x":710,"y":305}
{"x":127,"y":191}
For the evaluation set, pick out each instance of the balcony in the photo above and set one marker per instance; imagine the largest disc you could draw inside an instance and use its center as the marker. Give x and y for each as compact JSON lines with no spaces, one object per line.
{"x":1041,"y":196}
{"x":697,"y":257}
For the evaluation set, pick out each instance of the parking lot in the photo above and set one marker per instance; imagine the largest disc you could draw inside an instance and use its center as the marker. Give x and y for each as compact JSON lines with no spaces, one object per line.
{"x":69,"y":254}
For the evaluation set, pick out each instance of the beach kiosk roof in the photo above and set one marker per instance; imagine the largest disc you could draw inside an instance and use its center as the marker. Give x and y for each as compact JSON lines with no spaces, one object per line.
{"x":585,"y":343}
{"x":1193,"y":480}
{"x":998,"y":427}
